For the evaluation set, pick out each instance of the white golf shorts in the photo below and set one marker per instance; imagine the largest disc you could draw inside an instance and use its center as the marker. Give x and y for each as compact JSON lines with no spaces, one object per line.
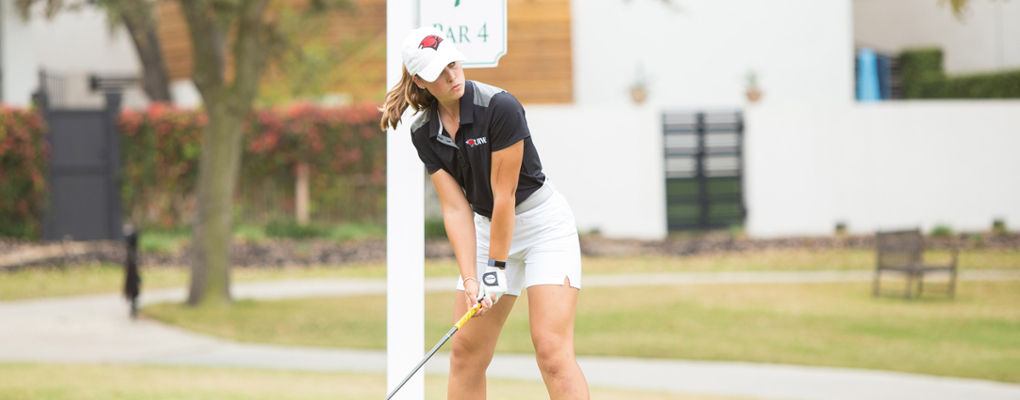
{"x":544,"y":249}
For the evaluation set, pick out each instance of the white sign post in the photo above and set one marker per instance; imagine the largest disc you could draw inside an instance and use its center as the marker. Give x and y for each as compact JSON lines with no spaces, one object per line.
{"x":405,"y":229}
{"x":478,"y":27}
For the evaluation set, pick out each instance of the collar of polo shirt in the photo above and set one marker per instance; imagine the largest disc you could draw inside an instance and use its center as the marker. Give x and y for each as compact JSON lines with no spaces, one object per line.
{"x":467,"y":115}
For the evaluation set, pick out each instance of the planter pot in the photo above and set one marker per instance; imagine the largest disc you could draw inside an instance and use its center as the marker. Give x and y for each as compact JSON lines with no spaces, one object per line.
{"x":639,"y":95}
{"x":753,"y":95}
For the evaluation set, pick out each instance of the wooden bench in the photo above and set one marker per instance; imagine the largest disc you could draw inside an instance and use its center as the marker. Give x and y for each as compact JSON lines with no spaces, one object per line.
{"x":902,"y":252}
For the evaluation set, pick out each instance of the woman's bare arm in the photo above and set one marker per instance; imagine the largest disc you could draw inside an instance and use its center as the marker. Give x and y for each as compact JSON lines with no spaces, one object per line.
{"x":458,"y":218}
{"x":506,"y":170}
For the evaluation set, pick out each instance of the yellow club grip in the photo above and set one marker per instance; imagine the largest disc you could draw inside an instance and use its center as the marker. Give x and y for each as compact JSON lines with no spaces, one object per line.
{"x":468,"y":315}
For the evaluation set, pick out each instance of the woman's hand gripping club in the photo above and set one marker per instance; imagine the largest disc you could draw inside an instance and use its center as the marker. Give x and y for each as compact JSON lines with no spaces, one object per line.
{"x":487,"y":292}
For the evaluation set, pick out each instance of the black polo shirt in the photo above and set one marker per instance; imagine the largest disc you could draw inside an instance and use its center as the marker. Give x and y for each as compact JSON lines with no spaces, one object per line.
{"x":490,"y":120}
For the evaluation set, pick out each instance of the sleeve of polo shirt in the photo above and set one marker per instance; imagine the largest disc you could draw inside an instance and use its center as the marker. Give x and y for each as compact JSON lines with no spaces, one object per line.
{"x":507,"y":124}
{"x":425,"y":153}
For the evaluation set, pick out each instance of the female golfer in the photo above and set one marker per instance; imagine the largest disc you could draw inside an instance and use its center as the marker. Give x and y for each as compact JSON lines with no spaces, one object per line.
{"x":510,"y":229}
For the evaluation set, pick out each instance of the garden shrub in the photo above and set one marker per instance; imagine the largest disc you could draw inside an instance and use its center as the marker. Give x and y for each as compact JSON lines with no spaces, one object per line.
{"x":923,"y":78}
{"x":24,"y":154}
{"x":343,"y":147}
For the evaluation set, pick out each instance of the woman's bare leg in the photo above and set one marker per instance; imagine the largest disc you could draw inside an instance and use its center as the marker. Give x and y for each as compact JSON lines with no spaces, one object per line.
{"x":551,"y":309}
{"x":473,"y":346}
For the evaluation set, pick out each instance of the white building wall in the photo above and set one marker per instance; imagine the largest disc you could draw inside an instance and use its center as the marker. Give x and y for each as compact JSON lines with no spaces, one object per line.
{"x":83,"y":41}
{"x":76,"y":44}
{"x":605,"y":153}
{"x":607,"y":161}
{"x":18,"y":55}
{"x":185,"y":93}
{"x":881,"y":166}
{"x":802,"y":51}
{"x":986,"y":39}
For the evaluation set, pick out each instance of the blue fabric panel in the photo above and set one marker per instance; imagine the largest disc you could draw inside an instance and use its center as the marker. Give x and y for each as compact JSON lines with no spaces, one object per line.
{"x":867,"y":76}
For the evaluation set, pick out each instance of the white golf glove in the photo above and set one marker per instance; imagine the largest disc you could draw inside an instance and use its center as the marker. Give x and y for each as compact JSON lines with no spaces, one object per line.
{"x":493,"y":283}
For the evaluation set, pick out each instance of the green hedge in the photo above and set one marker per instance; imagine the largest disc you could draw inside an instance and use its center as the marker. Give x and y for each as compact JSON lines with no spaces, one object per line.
{"x":24,"y":155}
{"x":923,"y":78}
{"x":1004,"y":85}
{"x":918,"y":66}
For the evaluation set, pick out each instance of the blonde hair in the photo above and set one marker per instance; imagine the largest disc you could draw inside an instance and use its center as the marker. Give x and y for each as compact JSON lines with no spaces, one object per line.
{"x":402,"y":95}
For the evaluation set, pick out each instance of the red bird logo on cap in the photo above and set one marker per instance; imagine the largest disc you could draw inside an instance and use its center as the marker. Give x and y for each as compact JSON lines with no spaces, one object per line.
{"x":430,"y":41}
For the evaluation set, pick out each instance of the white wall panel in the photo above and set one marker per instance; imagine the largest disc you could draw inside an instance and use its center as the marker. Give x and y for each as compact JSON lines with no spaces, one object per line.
{"x":18,"y":55}
{"x":607,"y":162}
{"x":802,"y":51}
{"x":882,"y":166}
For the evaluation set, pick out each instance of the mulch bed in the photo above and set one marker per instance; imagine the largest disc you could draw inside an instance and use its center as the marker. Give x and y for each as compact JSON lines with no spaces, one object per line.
{"x":723,"y":243}
{"x":288,"y":252}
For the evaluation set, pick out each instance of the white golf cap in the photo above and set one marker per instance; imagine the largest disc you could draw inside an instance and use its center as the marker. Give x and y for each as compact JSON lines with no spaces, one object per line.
{"x":426,"y":53}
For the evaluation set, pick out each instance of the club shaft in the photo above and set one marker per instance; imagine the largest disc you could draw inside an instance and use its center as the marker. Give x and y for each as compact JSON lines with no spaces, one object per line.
{"x":423,"y":361}
{"x":449,"y":334}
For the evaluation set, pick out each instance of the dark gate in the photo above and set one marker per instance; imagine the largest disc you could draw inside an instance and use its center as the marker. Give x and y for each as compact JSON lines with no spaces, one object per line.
{"x":704,"y":170}
{"x":84,"y":199}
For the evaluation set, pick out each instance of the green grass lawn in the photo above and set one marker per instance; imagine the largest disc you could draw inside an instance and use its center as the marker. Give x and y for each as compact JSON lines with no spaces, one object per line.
{"x":772,"y":260}
{"x":108,"y":278}
{"x":977,"y":335}
{"x":171,"y":240}
{"x":106,"y":382}
{"x":789,"y":260}
{"x":80,"y":280}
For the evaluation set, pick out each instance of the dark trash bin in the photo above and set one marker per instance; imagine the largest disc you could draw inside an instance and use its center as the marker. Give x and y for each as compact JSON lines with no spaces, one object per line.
{"x":132,"y":279}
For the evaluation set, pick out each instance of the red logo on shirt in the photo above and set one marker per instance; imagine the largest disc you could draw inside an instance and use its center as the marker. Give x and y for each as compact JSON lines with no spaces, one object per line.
{"x":476,"y":142}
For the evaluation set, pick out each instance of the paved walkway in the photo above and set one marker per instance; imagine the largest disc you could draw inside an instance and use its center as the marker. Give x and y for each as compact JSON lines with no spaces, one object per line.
{"x":95,"y":329}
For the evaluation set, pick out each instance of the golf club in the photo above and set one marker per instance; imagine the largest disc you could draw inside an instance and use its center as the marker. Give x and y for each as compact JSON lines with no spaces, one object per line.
{"x":470,"y":313}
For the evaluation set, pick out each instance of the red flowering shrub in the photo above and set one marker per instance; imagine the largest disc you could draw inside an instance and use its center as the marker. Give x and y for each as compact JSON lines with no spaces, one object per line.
{"x":336,"y":141}
{"x":160,"y":151}
{"x":24,"y":155}
{"x":343,"y":148}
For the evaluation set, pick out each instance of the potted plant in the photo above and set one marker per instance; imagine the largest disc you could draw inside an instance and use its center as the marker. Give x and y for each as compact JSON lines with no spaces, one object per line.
{"x":753,"y":92}
{"x":639,"y":89}
{"x":638,"y":93}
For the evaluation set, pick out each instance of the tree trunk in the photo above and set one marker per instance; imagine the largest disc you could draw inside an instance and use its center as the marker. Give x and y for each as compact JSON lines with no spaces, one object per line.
{"x":228,"y":102}
{"x":137,"y":17}
{"x":217,"y":179}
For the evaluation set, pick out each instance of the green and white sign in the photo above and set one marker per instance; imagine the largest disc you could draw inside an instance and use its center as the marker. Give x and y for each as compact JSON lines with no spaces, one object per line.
{"x":478,"y":27}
